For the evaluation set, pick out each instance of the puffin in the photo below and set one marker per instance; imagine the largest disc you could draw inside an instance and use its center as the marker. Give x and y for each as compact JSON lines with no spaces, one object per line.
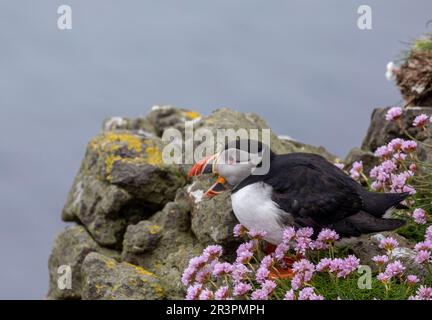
{"x":270,"y":192}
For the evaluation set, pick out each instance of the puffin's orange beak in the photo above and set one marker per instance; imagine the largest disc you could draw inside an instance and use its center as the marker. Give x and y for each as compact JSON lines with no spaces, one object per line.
{"x":206,"y":165}
{"x":203,"y":166}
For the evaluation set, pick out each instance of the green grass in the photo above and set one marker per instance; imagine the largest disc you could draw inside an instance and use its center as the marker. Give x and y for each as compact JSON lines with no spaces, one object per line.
{"x":348,"y":289}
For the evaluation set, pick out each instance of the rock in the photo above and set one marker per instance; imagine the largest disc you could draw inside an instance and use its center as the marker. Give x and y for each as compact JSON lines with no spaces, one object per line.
{"x":381,"y":132}
{"x":225,"y":118}
{"x":70,"y":248}
{"x":106,"y":279}
{"x":367,"y":246}
{"x":303,"y":147}
{"x":140,"y":125}
{"x":122,"y":180}
{"x":165,"y":116}
{"x":173,"y":245}
{"x":366,"y":157}
{"x":140,"y":238}
{"x":414,"y":76}
{"x":212,"y":219}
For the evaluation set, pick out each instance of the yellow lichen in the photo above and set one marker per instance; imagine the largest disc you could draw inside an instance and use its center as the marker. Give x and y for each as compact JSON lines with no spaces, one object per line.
{"x":110,"y":264}
{"x":154,"y":155}
{"x":154,"y":229}
{"x":98,"y":288}
{"x":109,"y":163}
{"x":141,"y":270}
{"x":191,"y":115}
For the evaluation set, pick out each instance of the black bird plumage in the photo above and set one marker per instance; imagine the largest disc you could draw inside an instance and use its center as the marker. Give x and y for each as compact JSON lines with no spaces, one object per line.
{"x":318,"y":194}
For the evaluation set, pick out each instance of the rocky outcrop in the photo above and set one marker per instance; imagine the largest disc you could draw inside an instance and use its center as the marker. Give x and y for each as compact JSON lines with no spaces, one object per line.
{"x":70,"y":249}
{"x":106,"y":279}
{"x":414,"y":77}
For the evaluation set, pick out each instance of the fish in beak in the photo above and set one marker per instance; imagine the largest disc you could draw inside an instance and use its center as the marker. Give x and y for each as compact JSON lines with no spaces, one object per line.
{"x":206,"y":166}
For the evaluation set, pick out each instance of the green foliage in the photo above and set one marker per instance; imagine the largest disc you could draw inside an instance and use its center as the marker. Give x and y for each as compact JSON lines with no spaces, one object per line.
{"x":424,"y":44}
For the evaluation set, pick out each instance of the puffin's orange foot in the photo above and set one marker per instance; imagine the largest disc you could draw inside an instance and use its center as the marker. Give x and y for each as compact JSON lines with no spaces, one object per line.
{"x":270,"y":248}
{"x":281,"y":273}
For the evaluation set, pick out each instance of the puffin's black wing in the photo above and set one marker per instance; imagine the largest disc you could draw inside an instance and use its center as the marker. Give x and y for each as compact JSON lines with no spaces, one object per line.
{"x":314,"y":196}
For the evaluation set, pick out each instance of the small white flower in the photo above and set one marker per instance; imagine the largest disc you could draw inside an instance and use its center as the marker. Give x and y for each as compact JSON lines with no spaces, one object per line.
{"x":390,"y":73}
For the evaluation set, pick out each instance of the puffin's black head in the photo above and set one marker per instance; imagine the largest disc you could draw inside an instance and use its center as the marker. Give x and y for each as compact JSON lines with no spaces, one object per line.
{"x":237,"y":160}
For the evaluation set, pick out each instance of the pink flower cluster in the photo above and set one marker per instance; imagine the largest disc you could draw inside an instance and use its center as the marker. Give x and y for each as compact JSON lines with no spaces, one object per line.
{"x":340,"y":267}
{"x":307,"y":293}
{"x":419,"y":216}
{"x":423,"y":293}
{"x":390,"y":175}
{"x":393,"y":114}
{"x":421,"y":120}
{"x":423,"y":249}
{"x":356,"y":170}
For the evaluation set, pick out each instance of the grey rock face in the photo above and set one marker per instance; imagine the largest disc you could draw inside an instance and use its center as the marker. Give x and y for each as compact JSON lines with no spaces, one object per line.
{"x":121,"y":180}
{"x":212,"y":219}
{"x":164,"y":117}
{"x":106,"y":279}
{"x":70,"y":248}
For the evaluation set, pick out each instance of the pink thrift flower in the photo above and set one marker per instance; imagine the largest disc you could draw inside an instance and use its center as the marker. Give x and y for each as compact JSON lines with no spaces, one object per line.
{"x":268,"y":286}
{"x":383,"y":277}
{"x":263,"y":271}
{"x":309,"y":294}
{"x":244,"y":252}
{"x":222,"y":293}
{"x":324,"y":265}
{"x":290,"y":295}
{"x":206,"y":294}
{"x":400,"y":156}
{"x":288,"y":234}
{"x":396,"y":144}
{"x":388,"y":243}
{"x":394,"y":269}
{"x":423,"y":245}
{"x":281,"y":250}
{"x":409,"y":146}
{"x":412,"y":279}
{"x":423,"y":293}
{"x":382,"y":152}
{"x":195,"y":264}
{"x":239,"y":272}
{"x":222,"y":269}
{"x":241,"y":289}
{"x":212,"y":252}
{"x":259,"y":294}
{"x":203,"y":274}
{"x":303,"y":272}
{"x":420,"y":120}
{"x":422,"y":257}
{"x":388,"y":166}
{"x":428,"y":234}
{"x":193,"y":292}
{"x":239,"y":230}
{"x":393,"y":114}
{"x":303,"y":240}
{"x":419,"y":216}
{"x":380,"y":260}
{"x":325,"y":238}
{"x":257,"y":234}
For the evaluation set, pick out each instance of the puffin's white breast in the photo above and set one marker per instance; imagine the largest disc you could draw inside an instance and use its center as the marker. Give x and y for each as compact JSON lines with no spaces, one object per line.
{"x":255,"y":209}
